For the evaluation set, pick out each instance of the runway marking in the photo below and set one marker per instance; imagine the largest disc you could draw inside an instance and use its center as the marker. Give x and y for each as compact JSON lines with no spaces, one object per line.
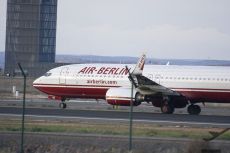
{"x":124,"y":120}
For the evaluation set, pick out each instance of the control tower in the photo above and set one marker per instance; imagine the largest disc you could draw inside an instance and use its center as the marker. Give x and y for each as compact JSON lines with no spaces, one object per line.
{"x":30,"y":35}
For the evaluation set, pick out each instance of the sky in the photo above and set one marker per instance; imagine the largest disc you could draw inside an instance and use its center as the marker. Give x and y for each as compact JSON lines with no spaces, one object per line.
{"x":179,"y":29}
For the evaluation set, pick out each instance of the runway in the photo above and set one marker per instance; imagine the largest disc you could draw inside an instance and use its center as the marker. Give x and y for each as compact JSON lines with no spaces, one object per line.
{"x":175,"y":119}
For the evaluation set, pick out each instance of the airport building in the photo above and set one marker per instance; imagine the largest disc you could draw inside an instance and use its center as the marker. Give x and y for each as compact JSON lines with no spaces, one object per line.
{"x":30,"y":36}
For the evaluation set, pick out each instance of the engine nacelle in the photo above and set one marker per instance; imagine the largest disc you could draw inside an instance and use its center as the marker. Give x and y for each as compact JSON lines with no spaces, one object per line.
{"x":121,"y":96}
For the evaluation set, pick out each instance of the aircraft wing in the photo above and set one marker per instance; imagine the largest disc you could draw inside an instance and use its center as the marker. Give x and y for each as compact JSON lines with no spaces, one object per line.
{"x":148,"y":87}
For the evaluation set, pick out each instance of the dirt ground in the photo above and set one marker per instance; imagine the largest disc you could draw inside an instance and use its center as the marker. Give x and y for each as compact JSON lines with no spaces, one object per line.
{"x":77,"y":143}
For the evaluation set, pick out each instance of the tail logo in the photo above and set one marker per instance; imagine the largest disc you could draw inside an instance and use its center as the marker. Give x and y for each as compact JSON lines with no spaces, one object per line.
{"x":141,"y":63}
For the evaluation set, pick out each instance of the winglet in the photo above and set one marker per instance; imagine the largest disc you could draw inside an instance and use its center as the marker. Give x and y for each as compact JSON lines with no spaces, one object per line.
{"x":140,"y":65}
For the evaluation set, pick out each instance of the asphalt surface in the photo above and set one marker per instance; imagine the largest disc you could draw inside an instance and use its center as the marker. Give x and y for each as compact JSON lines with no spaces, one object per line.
{"x":202,"y":120}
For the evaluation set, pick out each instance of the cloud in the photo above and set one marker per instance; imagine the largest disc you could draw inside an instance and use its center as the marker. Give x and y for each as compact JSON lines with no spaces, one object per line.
{"x":162,"y":41}
{"x":165,"y":29}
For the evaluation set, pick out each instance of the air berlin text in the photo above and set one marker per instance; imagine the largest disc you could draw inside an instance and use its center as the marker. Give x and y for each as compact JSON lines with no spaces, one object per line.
{"x":104,"y":70}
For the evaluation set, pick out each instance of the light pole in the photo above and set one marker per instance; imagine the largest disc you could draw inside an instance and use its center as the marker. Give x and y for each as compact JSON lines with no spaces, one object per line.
{"x":23,"y":108}
{"x":131,"y":119}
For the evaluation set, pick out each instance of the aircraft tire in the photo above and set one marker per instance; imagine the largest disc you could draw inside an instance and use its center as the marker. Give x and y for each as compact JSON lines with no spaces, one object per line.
{"x":62,"y":105}
{"x":194,"y":109}
{"x":167,"y":108}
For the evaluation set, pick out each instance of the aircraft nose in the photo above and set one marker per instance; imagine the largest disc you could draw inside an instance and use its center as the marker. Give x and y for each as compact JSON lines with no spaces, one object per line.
{"x":36,"y":82}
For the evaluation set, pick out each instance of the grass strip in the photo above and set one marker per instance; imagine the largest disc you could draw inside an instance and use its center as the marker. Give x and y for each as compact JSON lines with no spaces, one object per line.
{"x":142,"y":130}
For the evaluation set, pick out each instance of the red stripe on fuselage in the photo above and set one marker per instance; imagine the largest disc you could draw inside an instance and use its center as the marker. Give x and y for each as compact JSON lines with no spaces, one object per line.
{"x":73,"y":91}
{"x":99,"y":92}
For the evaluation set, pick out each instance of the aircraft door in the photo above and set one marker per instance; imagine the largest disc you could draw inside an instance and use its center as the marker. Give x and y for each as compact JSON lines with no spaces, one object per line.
{"x":63,"y":74}
{"x":158,"y":78}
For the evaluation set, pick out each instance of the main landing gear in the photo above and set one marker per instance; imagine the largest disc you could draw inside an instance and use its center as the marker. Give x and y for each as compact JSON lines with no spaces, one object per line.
{"x":62,"y":105}
{"x":194,"y":109}
{"x":167,"y":107}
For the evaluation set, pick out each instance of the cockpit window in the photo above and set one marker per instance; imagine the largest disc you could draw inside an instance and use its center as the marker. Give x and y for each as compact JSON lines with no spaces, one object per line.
{"x":47,"y":74}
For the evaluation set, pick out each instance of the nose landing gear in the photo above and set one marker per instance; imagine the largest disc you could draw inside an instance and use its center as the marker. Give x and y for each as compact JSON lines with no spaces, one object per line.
{"x":194,"y":109}
{"x":62,"y":105}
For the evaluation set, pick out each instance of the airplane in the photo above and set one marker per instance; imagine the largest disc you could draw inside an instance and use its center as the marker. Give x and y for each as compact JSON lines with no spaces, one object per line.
{"x":165,"y":86}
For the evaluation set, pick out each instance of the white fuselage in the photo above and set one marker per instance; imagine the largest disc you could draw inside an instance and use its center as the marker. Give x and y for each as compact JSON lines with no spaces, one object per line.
{"x":197,"y":83}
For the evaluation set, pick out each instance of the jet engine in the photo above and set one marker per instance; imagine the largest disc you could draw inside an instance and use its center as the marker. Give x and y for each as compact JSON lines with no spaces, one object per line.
{"x":122,"y":96}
